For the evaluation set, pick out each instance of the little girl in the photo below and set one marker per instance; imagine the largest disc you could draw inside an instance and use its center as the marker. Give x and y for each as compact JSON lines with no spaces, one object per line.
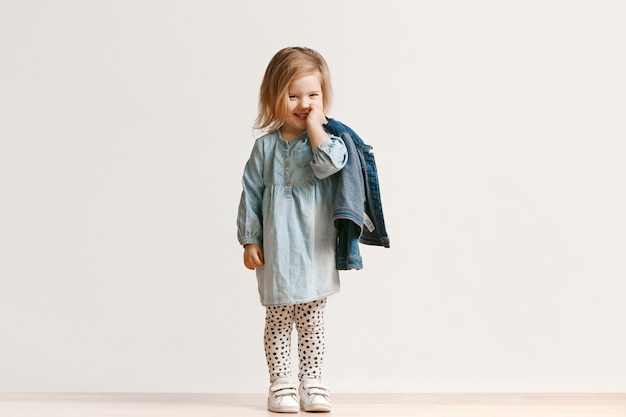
{"x":285,"y":222}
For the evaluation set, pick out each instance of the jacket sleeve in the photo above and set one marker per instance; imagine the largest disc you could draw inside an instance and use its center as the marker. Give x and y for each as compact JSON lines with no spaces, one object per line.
{"x":329,"y":157}
{"x":250,"y":214}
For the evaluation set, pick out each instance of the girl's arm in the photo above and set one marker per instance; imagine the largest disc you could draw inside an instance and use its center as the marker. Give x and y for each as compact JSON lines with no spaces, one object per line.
{"x":329,"y":157}
{"x":329,"y":152}
{"x":250,"y":214}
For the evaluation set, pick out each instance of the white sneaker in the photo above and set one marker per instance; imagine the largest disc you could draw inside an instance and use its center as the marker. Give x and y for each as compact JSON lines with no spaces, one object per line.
{"x":283,"y":396}
{"x":314,"y":396}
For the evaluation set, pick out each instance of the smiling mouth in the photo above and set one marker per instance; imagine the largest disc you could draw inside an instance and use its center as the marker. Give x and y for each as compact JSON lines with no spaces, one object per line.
{"x":301,"y":116}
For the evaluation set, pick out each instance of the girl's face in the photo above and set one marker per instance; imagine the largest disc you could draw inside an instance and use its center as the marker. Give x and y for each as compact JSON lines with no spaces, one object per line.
{"x":304,"y":93}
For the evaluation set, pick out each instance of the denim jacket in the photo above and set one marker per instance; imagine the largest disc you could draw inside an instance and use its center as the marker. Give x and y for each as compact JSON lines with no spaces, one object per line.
{"x":358,"y":212}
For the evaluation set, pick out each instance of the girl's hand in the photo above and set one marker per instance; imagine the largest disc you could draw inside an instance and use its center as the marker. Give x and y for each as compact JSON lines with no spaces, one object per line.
{"x":314,"y":121}
{"x":316,"y":117}
{"x":253,"y":256}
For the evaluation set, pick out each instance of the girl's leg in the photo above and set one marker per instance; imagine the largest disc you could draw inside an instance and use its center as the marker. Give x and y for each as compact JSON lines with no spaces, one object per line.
{"x":309,"y":319}
{"x":278,"y":327}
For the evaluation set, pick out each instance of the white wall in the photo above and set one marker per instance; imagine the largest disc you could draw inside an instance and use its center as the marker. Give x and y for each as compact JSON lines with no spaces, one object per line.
{"x":501,"y":144}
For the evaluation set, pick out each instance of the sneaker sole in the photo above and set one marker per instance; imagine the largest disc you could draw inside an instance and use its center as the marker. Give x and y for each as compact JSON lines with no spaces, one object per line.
{"x":319,"y":408}
{"x":282,"y":409}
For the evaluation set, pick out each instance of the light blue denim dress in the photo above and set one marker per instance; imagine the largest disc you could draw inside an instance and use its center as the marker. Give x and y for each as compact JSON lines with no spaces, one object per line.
{"x":287,"y":207}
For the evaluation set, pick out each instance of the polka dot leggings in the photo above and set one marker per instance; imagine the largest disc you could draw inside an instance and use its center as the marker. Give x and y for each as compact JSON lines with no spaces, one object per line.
{"x":309,"y":321}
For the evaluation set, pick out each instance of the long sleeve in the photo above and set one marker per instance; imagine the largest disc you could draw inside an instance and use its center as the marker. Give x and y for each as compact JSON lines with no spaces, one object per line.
{"x":250,"y":214}
{"x":329,"y":157}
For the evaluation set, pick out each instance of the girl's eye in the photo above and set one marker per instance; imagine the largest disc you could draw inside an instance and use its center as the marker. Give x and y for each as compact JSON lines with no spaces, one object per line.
{"x":313,"y":95}
{"x":292,"y":97}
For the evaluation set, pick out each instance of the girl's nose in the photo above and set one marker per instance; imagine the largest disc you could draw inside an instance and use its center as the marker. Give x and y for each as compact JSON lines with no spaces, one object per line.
{"x":304,"y":103}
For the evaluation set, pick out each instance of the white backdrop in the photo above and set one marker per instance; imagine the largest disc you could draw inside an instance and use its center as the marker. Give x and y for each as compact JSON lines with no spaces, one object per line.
{"x":501,"y":145}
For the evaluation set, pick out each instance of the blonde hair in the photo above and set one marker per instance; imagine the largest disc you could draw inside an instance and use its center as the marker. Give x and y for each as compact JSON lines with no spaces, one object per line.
{"x":285,"y":66}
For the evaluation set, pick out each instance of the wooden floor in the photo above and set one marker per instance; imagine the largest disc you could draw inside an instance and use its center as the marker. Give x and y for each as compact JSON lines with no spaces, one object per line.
{"x":361,"y":405}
